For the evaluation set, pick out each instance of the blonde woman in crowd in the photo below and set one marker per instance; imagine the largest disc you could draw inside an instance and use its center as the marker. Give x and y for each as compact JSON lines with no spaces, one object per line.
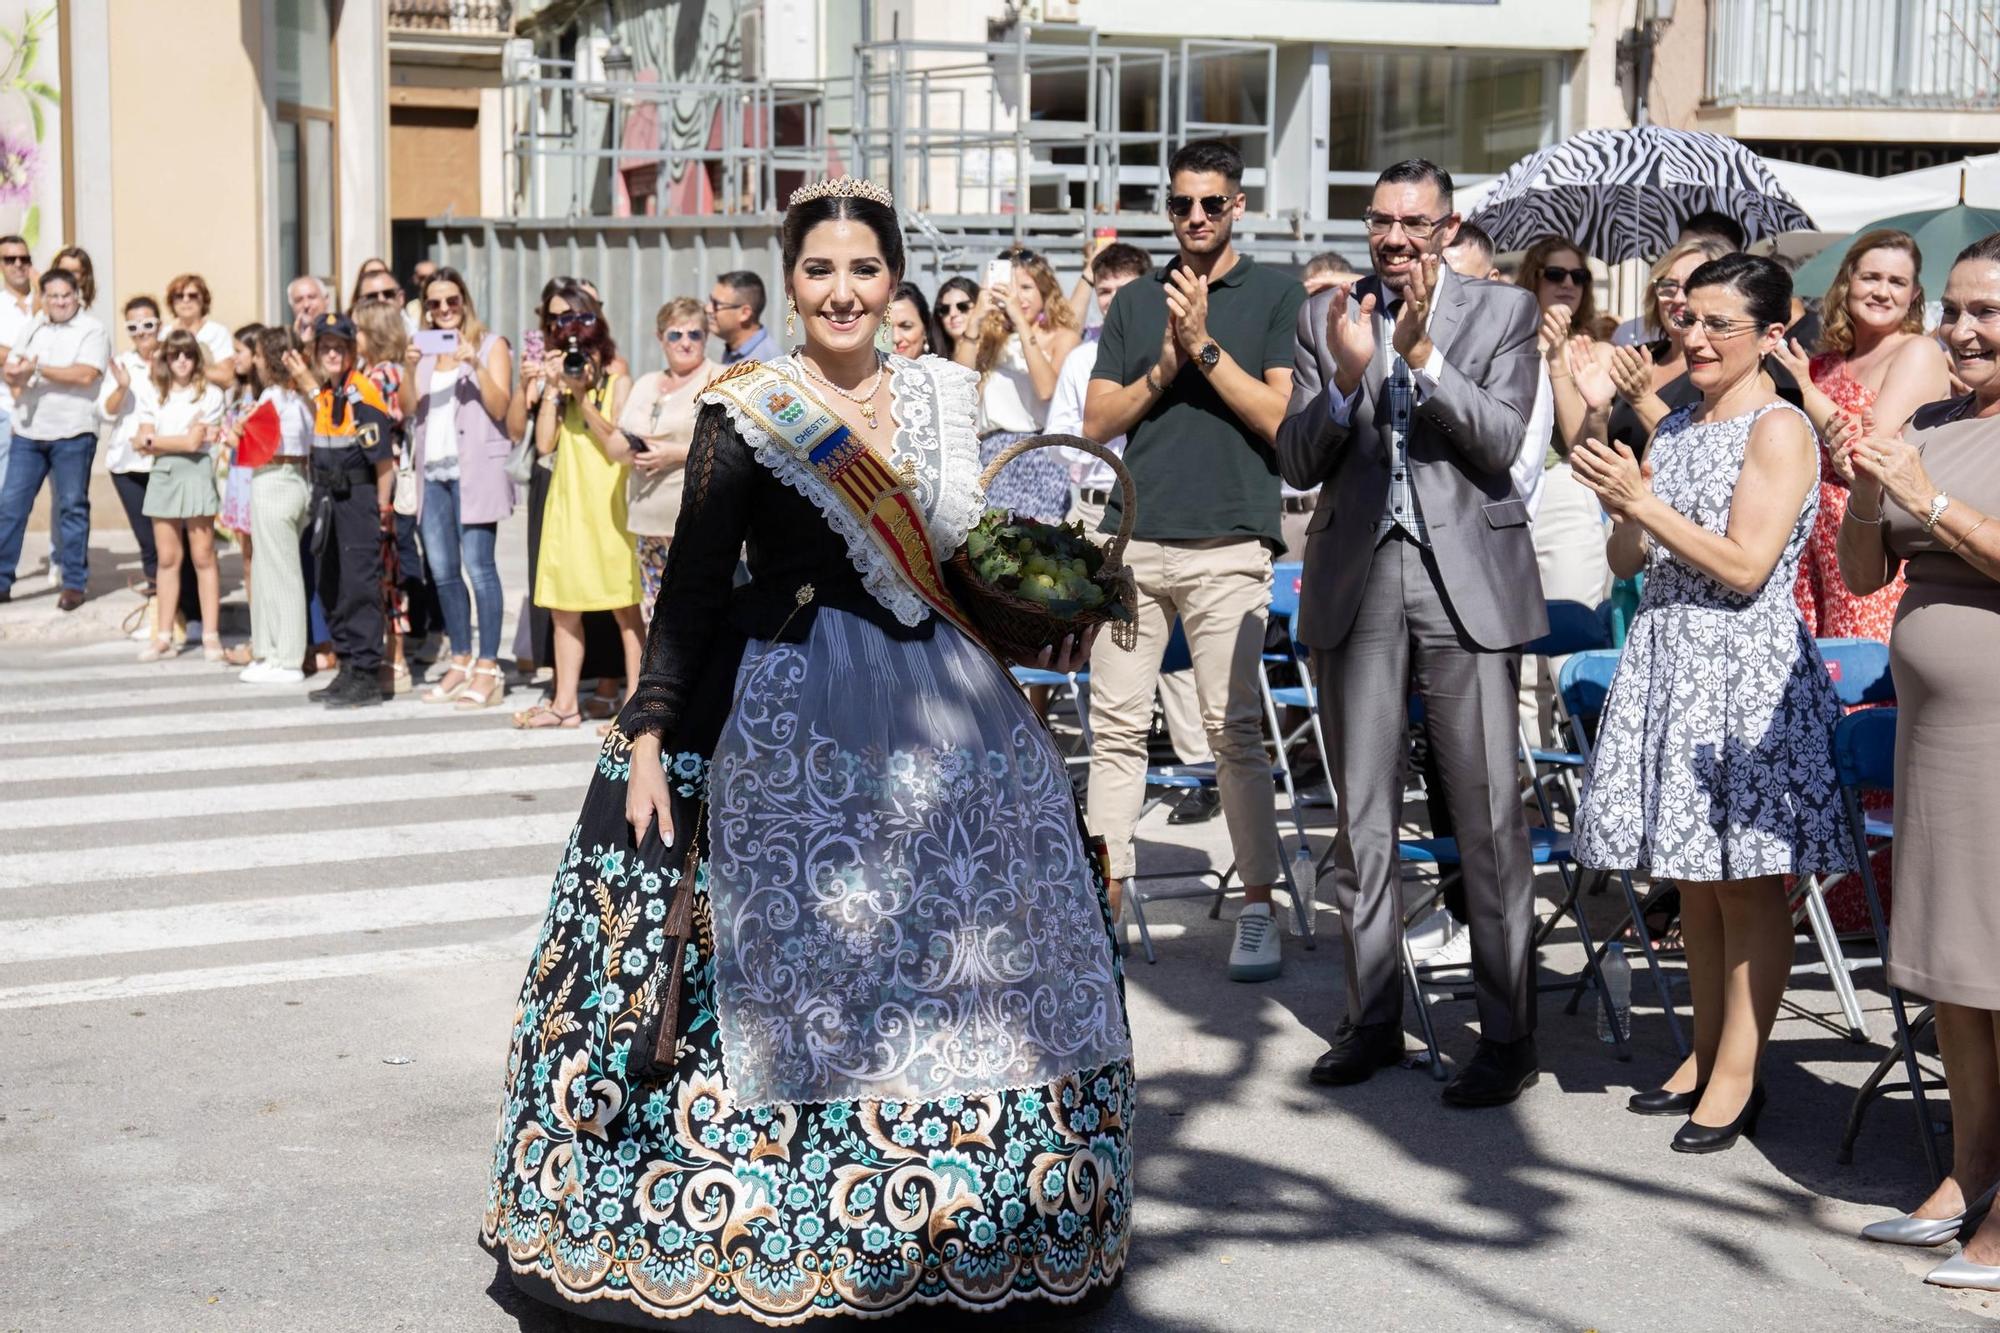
{"x":658,"y":425}
{"x":177,"y":429}
{"x":456,"y":405}
{"x":1017,"y":340}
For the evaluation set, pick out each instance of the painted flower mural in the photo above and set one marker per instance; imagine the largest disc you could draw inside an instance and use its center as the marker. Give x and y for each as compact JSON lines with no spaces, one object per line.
{"x":27,"y":99}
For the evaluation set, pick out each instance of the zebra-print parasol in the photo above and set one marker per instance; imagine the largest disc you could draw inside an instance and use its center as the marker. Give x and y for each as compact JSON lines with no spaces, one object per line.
{"x":1623,"y":194}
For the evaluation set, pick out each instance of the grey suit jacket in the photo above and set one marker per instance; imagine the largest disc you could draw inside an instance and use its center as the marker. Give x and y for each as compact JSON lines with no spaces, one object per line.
{"x":1463,"y":439}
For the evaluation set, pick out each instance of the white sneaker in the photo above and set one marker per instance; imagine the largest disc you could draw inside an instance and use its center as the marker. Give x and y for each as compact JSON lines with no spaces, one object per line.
{"x":1454,"y":953}
{"x":55,"y":576}
{"x":1431,"y":934}
{"x":1256,"y":955}
{"x":270,"y":673}
{"x":254,"y":673}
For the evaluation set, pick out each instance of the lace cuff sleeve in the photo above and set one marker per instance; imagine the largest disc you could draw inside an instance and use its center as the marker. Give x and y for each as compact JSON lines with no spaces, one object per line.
{"x":701,"y":565}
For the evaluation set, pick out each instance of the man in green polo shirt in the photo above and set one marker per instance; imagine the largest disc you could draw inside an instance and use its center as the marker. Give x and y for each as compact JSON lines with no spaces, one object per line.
{"x":1194,"y":367}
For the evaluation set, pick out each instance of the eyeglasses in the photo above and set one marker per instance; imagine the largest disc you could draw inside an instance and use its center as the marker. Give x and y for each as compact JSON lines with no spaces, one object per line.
{"x":386,"y":294}
{"x":718,"y":307}
{"x":185,"y":294}
{"x":1417,"y":229}
{"x":1666,"y":287}
{"x":446,"y":303}
{"x":1212,"y":205}
{"x":683,"y":335}
{"x":138,"y":326}
{"x":1715,"y":326}
{"x":16,"y":261}
{"x":954,"y":307}
{"x":1579,"y":276}
{"x":568,"y":319}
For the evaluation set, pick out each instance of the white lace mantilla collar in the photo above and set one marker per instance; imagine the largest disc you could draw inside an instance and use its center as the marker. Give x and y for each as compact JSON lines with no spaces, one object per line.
{"x":935,"y":403}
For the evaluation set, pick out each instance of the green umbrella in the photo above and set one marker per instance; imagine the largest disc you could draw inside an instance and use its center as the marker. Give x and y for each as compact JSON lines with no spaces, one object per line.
{"x":1941,"y":233}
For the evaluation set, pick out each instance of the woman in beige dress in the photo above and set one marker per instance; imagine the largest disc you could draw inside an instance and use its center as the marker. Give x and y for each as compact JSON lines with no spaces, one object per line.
{"x":1929,"y":497}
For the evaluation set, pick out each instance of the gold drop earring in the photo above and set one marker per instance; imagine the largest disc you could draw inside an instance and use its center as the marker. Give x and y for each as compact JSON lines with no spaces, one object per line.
{"x":791,"y":318}
{"x":885,"y":339}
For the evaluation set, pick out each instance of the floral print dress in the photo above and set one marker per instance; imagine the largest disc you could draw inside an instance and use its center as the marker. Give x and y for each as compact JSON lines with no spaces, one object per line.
{"x":1714,"y":756}
{"x":787,"y":1149}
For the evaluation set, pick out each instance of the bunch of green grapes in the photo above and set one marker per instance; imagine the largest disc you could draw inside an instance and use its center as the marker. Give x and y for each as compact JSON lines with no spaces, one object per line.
{"x":1055,"y":565}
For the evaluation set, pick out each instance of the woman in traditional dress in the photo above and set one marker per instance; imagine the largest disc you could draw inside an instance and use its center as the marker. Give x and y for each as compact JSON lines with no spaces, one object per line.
{"x":825,"y":1017}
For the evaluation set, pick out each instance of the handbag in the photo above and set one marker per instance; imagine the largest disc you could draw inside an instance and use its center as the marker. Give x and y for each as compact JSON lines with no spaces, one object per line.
{"x":407,"y":487}
{"x":521,"y":458}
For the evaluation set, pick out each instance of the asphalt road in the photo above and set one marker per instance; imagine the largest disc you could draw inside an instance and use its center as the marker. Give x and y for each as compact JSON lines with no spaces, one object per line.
{"x":258,"y":962}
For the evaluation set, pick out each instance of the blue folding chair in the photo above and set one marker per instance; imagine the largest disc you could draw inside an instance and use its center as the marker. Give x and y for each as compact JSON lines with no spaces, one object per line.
{"x":1864,"y":755}
{"x":1166,"y":780}
{"x":1075,"y":685}
{"x":1573,"y":628}
{"x":1584,"y":685}
{"x":1859,"y":669}
{"x":1285,"y":582}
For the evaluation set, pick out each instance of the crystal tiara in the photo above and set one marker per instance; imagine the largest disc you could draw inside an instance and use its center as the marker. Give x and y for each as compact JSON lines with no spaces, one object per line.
{"x":842,"y":187}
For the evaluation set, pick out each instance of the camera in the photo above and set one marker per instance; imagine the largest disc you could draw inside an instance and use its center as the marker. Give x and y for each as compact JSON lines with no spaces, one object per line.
{"x":574,"y":363}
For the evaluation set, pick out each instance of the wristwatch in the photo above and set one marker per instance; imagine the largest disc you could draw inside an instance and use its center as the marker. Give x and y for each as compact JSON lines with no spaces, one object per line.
{"x":1209,"y":355}
{"x":1938,"y":504}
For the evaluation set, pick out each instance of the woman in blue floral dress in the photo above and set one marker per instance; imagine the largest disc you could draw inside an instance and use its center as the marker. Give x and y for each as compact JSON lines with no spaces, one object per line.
{"x":1714,"y":757}
{"x":824,"y":1018}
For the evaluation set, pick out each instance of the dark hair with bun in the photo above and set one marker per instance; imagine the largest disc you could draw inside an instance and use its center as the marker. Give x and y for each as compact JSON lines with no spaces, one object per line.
{"x":1762,"y":283}
{"x":800,"y":219}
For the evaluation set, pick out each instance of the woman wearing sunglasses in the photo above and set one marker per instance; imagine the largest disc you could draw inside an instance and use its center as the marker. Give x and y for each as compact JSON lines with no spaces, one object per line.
{"x":588,"y":562}
{"x":658,"y":424}
{"x":127,"y":392}
{"x":456,"y":405}
{"x":954,"y":313}
{"x":188,"y":301}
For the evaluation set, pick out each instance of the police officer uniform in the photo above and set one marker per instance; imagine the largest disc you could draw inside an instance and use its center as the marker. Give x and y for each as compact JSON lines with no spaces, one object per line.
{"x":353,"y":446}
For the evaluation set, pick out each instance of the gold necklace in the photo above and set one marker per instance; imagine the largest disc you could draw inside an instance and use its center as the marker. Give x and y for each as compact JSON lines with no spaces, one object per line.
{"x":864,"y":402}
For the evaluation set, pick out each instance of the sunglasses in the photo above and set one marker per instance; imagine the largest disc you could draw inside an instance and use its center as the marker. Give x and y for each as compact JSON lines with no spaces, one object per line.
{"x":180,"y":356}
{"x":571,"y":319}
{"x":187,"y":294}
{"x":15,"y":261}
{"x":954,"y":307}
{"x":1212,"y":205}
{"x":1579,"y":276}
{"x":448,"y":303}
{"x":683,"y":335}
{"x":717,"y":307}
{"x":138,"y":326}
{"x":387,"y":294}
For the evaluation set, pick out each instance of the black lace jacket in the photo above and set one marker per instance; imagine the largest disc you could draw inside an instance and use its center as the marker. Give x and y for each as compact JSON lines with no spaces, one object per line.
{"x":731,"y":504}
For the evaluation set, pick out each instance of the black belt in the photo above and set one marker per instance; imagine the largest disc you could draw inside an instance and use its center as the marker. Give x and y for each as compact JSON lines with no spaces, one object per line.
{"x":1091,"y":497}
{"x":1300,"y":504}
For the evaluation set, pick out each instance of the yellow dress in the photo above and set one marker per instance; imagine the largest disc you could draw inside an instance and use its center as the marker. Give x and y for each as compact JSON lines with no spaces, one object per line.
{"x":588,"y":561}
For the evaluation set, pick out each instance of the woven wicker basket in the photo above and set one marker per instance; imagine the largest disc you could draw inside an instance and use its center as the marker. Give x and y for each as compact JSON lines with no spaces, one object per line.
{"x":1019,"y":629}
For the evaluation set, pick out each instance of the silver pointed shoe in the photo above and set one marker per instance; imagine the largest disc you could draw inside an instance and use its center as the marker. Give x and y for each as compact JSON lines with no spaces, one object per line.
{"x":1907,"y":1230}
{"x":1959,"y":1271}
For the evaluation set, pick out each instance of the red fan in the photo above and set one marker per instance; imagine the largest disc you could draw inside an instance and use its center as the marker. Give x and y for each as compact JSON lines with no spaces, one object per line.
{"x":261,"y":437}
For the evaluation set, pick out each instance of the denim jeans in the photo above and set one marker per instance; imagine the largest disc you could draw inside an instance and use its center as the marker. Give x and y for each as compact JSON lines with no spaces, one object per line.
{"x":29,"y":463}
{"x":447,"y":544}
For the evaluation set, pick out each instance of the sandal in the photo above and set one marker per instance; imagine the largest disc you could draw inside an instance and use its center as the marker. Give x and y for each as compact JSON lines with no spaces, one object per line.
{"x":542,"y":718}
{"x":213,"y":651}
{"x":471,"y":695}
{"x":158,"y":650}
{"x":445,"y":691}
{"x":239,"y":656}
{"x":396,"y":678}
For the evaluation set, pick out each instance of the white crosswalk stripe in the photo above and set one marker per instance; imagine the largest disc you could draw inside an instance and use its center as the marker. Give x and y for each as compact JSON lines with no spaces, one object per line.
{"x":211,"y":836}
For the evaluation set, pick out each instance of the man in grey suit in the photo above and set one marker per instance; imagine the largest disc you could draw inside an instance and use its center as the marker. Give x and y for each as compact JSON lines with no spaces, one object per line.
{"x":1411,"y":392}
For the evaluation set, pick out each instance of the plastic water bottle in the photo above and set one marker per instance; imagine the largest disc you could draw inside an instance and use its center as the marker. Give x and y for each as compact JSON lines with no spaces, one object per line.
{"x":1618,"y":982}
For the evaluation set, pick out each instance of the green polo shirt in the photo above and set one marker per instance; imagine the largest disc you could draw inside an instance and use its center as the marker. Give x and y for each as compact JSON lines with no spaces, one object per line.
{"x":1201,"y":473}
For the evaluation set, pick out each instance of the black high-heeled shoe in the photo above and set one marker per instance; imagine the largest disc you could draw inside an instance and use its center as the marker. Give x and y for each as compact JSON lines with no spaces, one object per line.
{"x":1661,"y":1102}
{"x":1691,"y":1137}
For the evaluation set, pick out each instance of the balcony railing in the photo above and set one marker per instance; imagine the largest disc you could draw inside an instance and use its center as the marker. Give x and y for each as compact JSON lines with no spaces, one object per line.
{"x":1928,"y":54}
{"x":474,"y":18}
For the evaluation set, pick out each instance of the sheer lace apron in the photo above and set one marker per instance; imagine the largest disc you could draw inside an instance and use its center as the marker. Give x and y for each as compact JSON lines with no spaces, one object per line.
{"x":902,"y":905}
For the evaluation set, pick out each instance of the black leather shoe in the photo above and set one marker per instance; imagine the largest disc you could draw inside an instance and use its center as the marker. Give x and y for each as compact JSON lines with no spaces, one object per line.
{"x":1498,"y":1072}
{"x":362,"y":690}
{"x":1720,"y":1138}
{"x":1661,"y":1102}
{"x":326,"y":691}
{"x":1197,"y":807}
{"x":1358,"y":1050}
